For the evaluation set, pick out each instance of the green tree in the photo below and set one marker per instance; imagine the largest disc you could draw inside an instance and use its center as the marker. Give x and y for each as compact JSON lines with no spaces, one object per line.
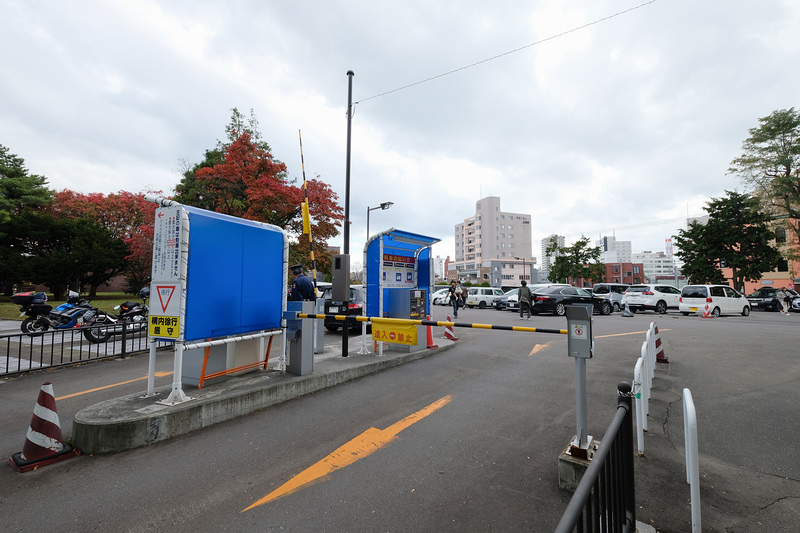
{"x":64,"y":253}
{"x":577,"y":261}
{"x":737,"y":236}
{"x":19,"y":191}
{"x":769,"y":164}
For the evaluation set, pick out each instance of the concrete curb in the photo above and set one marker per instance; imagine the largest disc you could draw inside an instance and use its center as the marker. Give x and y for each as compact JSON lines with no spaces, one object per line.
{"x":134,"y":421}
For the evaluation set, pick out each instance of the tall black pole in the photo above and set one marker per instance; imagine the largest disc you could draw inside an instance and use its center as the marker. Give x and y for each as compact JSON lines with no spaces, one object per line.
{"x":350,"y":74}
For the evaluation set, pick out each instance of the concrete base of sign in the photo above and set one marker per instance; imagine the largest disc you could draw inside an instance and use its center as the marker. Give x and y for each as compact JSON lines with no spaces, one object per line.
{"x":571,"y":467}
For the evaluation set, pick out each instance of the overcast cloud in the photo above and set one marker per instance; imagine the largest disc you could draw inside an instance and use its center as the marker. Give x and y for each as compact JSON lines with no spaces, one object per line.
{"x":622,"y":127}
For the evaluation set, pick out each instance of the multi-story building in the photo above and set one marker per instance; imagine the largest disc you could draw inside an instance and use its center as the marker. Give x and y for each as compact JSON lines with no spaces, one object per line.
{"x":656,"y":264}
{"x":547,"y":260}
{"x":614,"y":251}
{"x":490,"y":234}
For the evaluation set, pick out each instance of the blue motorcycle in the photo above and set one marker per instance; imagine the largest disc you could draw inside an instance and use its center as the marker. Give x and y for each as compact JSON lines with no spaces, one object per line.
{"x":42,"y":316}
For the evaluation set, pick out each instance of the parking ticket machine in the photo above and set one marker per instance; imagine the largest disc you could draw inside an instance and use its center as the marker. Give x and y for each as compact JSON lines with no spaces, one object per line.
{"x":406,"y":303}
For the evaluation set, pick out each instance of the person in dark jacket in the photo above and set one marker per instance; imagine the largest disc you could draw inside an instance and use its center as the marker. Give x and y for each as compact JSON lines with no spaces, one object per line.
{"x":302,"y":288}
{"x":525,"y":299}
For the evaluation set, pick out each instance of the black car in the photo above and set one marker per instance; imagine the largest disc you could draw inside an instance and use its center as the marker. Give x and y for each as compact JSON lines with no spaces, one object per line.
{"x":555,"y":299}
{"x":764,"y":298}
{"x":357,"y":304}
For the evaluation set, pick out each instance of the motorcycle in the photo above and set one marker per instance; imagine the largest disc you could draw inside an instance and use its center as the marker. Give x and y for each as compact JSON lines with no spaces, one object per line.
{"x":42,"y":316}
{"x":100,"y":325}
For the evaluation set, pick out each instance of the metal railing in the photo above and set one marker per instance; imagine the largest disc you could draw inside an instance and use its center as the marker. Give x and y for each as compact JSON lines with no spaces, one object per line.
{"x":20,"y":352}
{"x":605,"y":497}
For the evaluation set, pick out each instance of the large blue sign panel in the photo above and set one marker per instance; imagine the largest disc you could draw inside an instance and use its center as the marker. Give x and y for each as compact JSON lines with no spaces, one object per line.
{"x":235,"y":277}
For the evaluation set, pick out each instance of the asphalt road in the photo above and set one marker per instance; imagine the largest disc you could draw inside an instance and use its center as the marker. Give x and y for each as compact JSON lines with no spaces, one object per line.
{"x":466,"y":440}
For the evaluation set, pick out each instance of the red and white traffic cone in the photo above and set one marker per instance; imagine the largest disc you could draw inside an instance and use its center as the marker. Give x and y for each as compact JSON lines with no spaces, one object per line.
{"x":430,"y":335}
{"x":660,"y":355}
{"x":707,"y":312}
{"x":44,"y":444}
{"x":448,"y":331}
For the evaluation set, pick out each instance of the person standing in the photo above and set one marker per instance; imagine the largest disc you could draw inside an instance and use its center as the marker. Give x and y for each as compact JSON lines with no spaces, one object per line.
{"x":454,"y":297}
{"x":302,"y":288}
{"x":784,"y":299}
{"x":525,"y":298}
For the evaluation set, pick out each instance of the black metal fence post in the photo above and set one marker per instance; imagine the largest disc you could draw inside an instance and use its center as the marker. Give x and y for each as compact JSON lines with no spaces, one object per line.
{"x":605,"y":499}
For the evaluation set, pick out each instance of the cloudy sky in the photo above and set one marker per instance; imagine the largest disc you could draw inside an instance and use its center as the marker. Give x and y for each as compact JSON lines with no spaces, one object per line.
{"x":597,"y":117}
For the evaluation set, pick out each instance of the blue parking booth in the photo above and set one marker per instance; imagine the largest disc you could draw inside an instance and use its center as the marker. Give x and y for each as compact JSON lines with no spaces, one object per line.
{"x":218,"y":292}
{"x":398,"y":266}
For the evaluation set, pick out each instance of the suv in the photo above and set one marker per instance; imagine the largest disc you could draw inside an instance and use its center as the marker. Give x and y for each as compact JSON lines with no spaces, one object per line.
{"x":721,"y":300}
{"x":482,"y":296}
{"x":659,"y":298}
{"x":764,"y":298}
{"x":611,"y":292}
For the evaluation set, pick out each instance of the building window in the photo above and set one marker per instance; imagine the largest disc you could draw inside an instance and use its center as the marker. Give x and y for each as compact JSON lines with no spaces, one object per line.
{"x":615,"y":269}
{"x":780,"y":234}
{"x":635,"y":270}
{"x":783,"y":265}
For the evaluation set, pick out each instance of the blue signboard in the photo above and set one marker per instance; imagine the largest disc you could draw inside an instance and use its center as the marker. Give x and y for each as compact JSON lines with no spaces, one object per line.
{"x":235,"y":277}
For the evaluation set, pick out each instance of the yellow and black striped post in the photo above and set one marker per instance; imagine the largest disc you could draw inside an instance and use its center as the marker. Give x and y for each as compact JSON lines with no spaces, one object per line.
{"x":307,"y":217}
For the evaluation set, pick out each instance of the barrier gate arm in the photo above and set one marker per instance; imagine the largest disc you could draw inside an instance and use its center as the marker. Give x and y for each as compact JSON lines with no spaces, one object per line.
{"x":413,"y":322}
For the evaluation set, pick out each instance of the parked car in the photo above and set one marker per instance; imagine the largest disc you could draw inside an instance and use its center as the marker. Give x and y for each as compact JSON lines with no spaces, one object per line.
{"x":441,"y":296}
{"x":658,"y":298}
{"x":611,"y":292}
{"x":501,"y":302}
{"x":721,"y":300}
{"x":796,"y":305}
{"x":513,"y":300}
{"x":358,"y":300}
{"x":764,"y":298}
{"x":482,"y":296}
{"x":556,"y":299}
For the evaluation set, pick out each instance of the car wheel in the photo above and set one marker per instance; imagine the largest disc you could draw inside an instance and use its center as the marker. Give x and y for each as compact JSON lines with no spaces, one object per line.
{"x":746,"y":311}
{"x":685,"y":313}
{"x":606,"y":309}
{"x":482,"y":305}
{"x":715,"y":312}
{"x":661,"y":307}
{"x":616,"y":307}
{"x":561,"y":309}
{"x":332,"y":328}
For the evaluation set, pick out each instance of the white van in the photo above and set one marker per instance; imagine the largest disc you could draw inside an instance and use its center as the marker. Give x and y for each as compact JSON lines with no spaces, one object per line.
{"x":482,"y":296}
{"x":721,"y":300}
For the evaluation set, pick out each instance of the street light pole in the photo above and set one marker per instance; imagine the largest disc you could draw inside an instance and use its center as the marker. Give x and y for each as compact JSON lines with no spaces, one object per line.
{"x":384,"y":206}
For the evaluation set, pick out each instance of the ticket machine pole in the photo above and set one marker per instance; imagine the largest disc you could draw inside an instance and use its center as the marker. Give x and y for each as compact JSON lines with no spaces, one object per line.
{"x":580,"y":346}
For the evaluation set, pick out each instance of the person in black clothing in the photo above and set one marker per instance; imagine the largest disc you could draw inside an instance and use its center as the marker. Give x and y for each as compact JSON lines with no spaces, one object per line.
{"x":302,"y":288}
{"x":454,"y":297}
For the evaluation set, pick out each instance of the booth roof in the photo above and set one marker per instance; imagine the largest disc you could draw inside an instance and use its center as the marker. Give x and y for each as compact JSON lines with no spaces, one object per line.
{"x":403,"y":240}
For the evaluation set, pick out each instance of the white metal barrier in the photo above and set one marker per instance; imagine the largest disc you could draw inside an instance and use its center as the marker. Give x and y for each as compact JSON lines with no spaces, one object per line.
{"x":692,"y":462}
{"x":643,"y":374}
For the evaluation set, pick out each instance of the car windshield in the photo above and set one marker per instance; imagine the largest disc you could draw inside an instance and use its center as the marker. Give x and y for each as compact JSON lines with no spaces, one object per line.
{"x":512,"y":292}
{"x":637,"y":288}
{"x":694,"y":291}
{"x":582,"y":292}
{"x":764,"y":292}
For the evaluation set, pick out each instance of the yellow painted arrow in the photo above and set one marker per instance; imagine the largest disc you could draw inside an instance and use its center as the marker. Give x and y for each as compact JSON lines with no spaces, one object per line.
{"x":365,"y":444}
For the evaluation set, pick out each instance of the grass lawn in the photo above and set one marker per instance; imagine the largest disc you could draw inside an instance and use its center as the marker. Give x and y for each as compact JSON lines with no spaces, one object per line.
{"x":105,"y":301}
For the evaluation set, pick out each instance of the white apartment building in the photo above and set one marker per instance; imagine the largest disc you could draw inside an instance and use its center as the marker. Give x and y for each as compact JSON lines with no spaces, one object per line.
{"x":547,"y":261}
{"x":614,"y":251}
{"x":655,"y":264}
{"x":488,"y":235}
